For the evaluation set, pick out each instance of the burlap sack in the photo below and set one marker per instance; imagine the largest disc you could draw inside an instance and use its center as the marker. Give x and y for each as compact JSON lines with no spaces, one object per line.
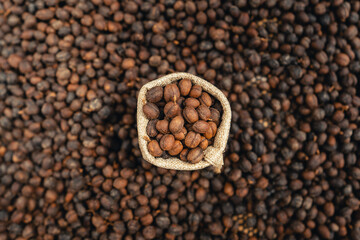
{"x":213,"y":155}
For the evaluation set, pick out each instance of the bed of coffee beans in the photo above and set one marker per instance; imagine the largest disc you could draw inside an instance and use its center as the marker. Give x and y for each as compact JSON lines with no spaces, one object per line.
{"x":183,"y":120}
{"x":70,"y":164}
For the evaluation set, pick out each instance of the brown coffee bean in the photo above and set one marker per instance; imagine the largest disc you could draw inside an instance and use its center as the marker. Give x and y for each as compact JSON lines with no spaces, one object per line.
{"x":211,"y":132}
{"x":192,"y":139}
{"x":195,"y":91}
{"x":176,"y":124}
{"x":167,"y":142}
{"x":172,"y":109}
{"x":176,"y":149}
{"x":171,"y":92}
{"x":203,"y":143}
{"x":205,"y":99}
{"x":163,"y":126}
{"x":185,"y":86}
{"x":192,"y":102}
{"x":190,"y":114}
{"x":195,"y":155}
{"x":151,"y":111}
{"x":183,"y":154}
{"x":159,"y":136}
{"x":154,"y":95}
{"x":215,"y":116}
{"x":154,"y":148}
{"x":201,"y":126}
{"x":342,"y":59}
{"x":151,"y":128}
{"x":181,"y":135}
{"x":204,"y":112}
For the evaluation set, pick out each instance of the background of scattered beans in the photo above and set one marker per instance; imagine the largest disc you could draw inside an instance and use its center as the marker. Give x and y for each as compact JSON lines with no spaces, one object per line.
{"x":70,"y":166}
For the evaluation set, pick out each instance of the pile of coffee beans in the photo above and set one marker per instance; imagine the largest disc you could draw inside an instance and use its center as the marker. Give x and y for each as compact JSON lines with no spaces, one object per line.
{"x":183,"y":120}
{"x":70,"y":164}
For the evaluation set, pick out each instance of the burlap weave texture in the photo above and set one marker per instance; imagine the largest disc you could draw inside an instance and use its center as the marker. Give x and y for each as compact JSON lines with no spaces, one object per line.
{"x":213,"y":155}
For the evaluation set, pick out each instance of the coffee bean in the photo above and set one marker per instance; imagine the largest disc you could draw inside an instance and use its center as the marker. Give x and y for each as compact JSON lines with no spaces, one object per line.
{"x":195,"y":155}
{"x":167,"y":142}
{"x":183,"y":154}
{"x":192,"y":102}
{"x":204,"y":112}
{"x":192,"y":139}
{"x":190,"y":114}
{"x":171,"y":92}
{"x":176,"y":149}
{"x":205,"y":99}
{"x":181,"y":134}
{"x":151,"y":128}
{"x":215,"y":115}
{"x":151,"y":111}
{"x":154,"y":95}
{"x":200,"y":126}
{"x":171,"y":109}
{"x":203,"y":143}
{"x":162,"y":126}
{"x":176,"y":124}
{"x":185,"y":86}
{"x":195,"y":91}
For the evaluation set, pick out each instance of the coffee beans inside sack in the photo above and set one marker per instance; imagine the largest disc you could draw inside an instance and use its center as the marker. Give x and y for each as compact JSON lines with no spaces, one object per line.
{"x":183,"y":120}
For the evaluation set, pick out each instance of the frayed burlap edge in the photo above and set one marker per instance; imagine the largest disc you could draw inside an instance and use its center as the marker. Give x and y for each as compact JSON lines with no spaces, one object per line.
{"x":213,"y":155}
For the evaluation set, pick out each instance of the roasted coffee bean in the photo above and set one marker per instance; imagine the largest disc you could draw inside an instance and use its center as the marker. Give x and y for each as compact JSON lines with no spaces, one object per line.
{"x":176,"y":149}
{"x":190,"y":114}
{"x":171,"y":92}
{"x":211,"y":132}
{"x":167,"y":142}
{"x":192,"y":102}
{"x":183,"y":154}
{"x":192,"y":139}
{"x":205,"y":99}
{"x":154,"y":95}
{"x":185,"y":86}
{"x":154,"y":148}
{"x":151,"y":111}
{"x":172,"y":109}
{"x":195,"y":155}
{"x":162,"y":126}
{"x":201,"y":126}
{"x":176,"y":124}
{"x":203,"y":143}
{"x":195,"y":91}
{"x":204,"y":112}
{"x":181,"y":134}
{"x":151,"y":130}
{"x":215,"y":115}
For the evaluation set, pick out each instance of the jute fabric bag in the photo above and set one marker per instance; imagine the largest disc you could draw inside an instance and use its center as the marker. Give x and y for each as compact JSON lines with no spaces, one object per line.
{"x":213,"y":155}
